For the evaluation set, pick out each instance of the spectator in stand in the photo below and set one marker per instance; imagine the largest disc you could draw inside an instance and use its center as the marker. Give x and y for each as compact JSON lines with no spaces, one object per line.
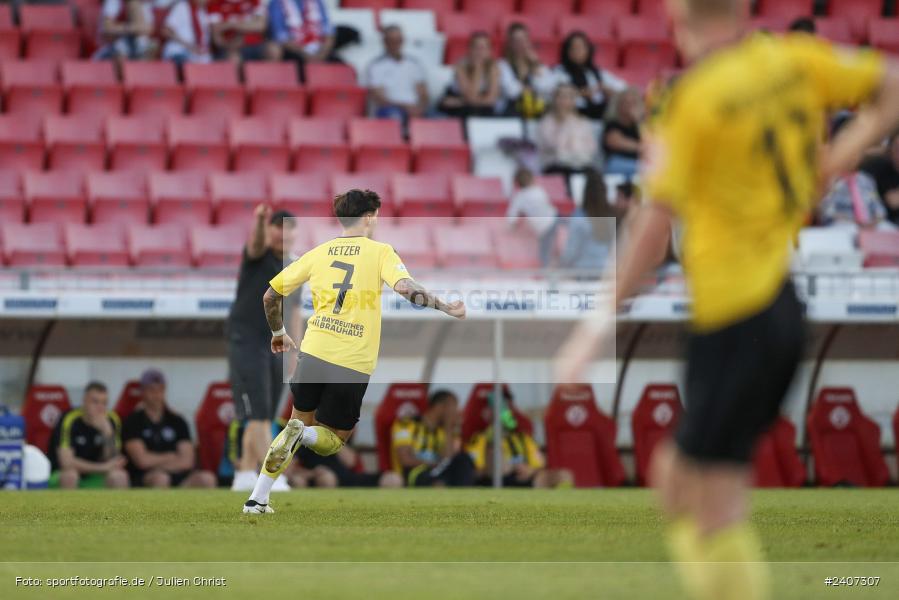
{"x":804,"y":25}
{"x":475,"y":89}
{"x":125,"y":30}
{"x":301,"y":31}
{"x":396,"y":82}
{"x":884,"y":168}
{"x":621,"y":137}
{"x":157,"y":442}
{"x":565,"y":139}
{"x":525,"y":83}
{"x":238,"y":28}
{"x":85,"y":448}
{"x":591,"y":229}
{"x":576,"y":68}
{"x":427,"y":450}
{"x":339,"y":470}
{"x":532,"y":202}
{"x":186,"y":31}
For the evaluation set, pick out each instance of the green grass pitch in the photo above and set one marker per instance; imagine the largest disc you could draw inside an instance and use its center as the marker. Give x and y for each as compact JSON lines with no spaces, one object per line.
{"x":422,"y":544}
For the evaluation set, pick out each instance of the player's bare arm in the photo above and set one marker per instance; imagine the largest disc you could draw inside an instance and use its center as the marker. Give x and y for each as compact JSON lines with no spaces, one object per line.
{"x":416,"y":293}
{"x":273,"y":303}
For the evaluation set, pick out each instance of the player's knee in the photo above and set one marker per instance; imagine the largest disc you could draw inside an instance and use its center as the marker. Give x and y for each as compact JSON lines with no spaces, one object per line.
{"x":68,"y":479}
{"x":117,"y":479}
{"x":390,"y":479}
{"x":203,"y":479}
{"x":325,"y":478}
{"x":157,"y":480}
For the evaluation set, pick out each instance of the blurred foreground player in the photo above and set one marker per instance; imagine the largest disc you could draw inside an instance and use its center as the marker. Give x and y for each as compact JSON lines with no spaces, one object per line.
{"x":340,"y":346}
{"x":736,"y":156}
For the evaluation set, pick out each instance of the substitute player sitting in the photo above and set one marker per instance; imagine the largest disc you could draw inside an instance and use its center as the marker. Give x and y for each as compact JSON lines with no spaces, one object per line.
{"x":340,"y":345}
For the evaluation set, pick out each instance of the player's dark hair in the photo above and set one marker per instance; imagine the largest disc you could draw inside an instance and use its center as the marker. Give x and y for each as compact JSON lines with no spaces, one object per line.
{"x":280,"y":218}
{"x":95,"y":386}
{"x":804,"y":24}
{"x":349,"y":207}
{"x":523,"y":177}
{"x":440,"y":396}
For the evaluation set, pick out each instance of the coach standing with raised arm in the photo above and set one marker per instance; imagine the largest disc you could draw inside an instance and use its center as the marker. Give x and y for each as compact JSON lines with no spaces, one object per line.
{"x":256,"y":374}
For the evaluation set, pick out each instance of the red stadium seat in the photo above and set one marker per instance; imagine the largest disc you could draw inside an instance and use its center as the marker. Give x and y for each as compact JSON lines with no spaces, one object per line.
{"x":516,"y":249}
{"x":373,"y":4}
{"x":835,"y":29}
{"x":96,"y":245}
{"x":582,"y":439}
{"x":129,"y":399}
{"x":21,"y":147}
{"x":857,"y":13}
{"x":213,"y":418}
{"x":652,"y":8}
{"x":213,"y":89}
{"x":12,"y":199}
{"x":198,"y":143}
{"x":881,"y":248}
{"x":539,"y":27}
{"x":158,"y":246}
{"x":180,"y":198}
{"x":56,"y":197}
{"x":439,"y":7}
{"x":376,"y":182}
{"x":845,"y":443}
{"x":439,"y":146}
{"x":89,"y":16}
{"x":558,"y":193}
{"x":43,"y":408}
{"x":883,"y":34}
{"x":401,"y":400}
{"x":218,"y":247}
{"x":423,"y":195}
{"x":39,"y":244}
{"x":489,"y":8}
{"x":463,"y":246}
{"x":302,"y":194}
{"x":643,"y":29}
{"x":319,"y":145}
{"x":30,"y":89}
{"x":639,"y":77}
{"x":607,"y":8}
{"x":236,"y":195}
{"x":378,"y":146}
{"x":10,"y":40}
{"x":75,"y":144}
{"x":652,"y":55}
{"x":334,"y":91}
{"x":259,"y":144}
{"x":776,"y":462}
{"x":136,"y":143}
{"x":479,"y":196}
{"x":653,"y":421}
{"x":596,"y":28}
{"x":413,"y":241}
{"x":477,"y":416}
{"x":50,"y":32}
{"x":773,"y":24}
{"x":547,"y":8}
{"x":92,"y":89}
{"x":786,"y":9}
{"x":273,"y":90}
{"x":153,"y":88}
{"x":118,"y":197}
{"x":462,"y":25}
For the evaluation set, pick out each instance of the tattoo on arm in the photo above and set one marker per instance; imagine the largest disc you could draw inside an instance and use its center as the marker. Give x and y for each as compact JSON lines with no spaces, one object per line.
{"x":272,"y":301}
{"x":415,"y":293}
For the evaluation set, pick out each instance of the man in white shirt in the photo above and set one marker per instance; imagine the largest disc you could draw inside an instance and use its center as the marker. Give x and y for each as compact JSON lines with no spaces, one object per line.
{"x":186,"y":31}
{"x":396,"y":82}
{"x":533,"y":203}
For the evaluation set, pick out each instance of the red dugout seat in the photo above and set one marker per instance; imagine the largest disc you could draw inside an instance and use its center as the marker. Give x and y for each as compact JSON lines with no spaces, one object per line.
{"x":43,"y":408}
{"x":333,"y":91}
{"x":31,"y":90}
{"x":607,"y":8}
{"x":845,"y":443}
{"x":477,"y":416}
{"x":413,"y":241}
{"x":56,"y":197}
{"x":212,"y":421}
{"x":319,"y":145}
{"x":180,"y":198}
{"x":401,"y":400}
{"x":39,"y":244}
{"x":218,"y":247}
{"x":776,"y":462}
{"x":516,"y":249}
{"x":302,"y":194}
{"x":439,"y":146}
{"x":465,"y":246}
{"x":423,"y":195}
{"x":785,"y":9}
{"x":198,"y":143}
{"x":376,"y":182}
{"x":259,"y":144}
{"x":236,"y":195}
{"x":881,"y":248}
{"x":50,"y":32}
{"x":856,"y":12}
{"x":582,"y":439}
{"x":883,"y":34}
{"x":273,"y":90}
{"x":12,"y":199}
{"x":653,"y":421}
{"x":136,"y":143}
{"x":118,"y":197}
{"x":130,"y":397}
{"x":92,"y":89}
{"x":214,"y":89}
{"x":378,"y":146}
{"x":153,"y":88}
{"x":21,"y":147}
{"x":158,"y":246}
{"x":479,"y":196}
{"x":96,"y":245}
{"x":74,"y":143}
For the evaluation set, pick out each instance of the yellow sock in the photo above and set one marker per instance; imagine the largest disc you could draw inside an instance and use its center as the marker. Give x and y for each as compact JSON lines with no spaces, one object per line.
{"x":683,"y":545}
{"x":734,"y":566}
{"x":324,"y":441}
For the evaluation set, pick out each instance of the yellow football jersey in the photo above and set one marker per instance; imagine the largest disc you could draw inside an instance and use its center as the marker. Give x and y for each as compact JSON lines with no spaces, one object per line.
{"x":346,"y":276}
{"x":734,"y":153}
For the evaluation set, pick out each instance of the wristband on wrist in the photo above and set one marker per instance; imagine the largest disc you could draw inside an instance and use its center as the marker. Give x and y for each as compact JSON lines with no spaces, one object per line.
{"x":280,"y":332}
